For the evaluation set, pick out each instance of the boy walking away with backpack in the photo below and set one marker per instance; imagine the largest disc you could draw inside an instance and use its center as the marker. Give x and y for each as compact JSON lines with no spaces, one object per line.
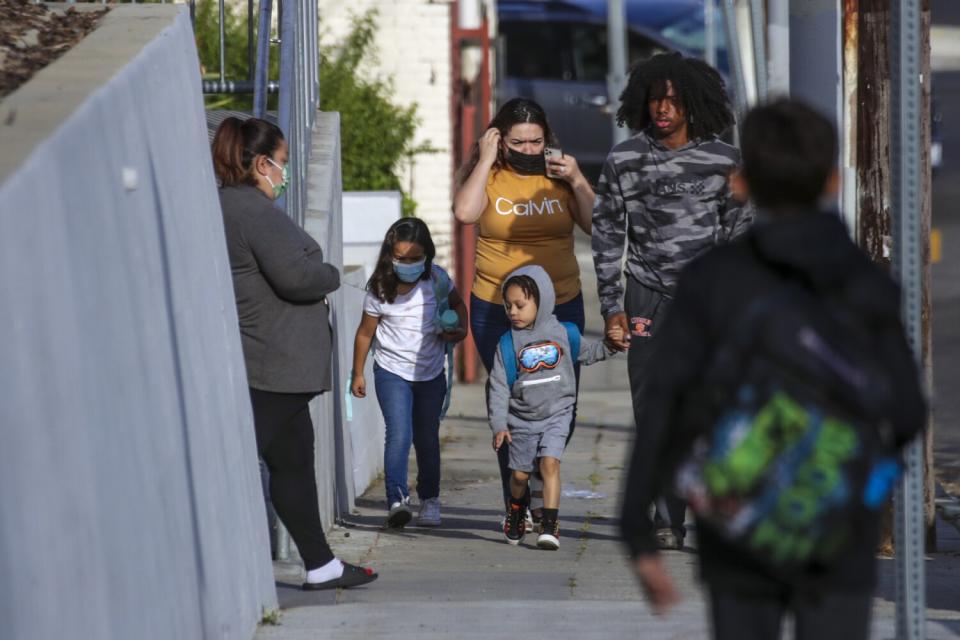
{"x":784,"y":390}
{"x":531,"y":392}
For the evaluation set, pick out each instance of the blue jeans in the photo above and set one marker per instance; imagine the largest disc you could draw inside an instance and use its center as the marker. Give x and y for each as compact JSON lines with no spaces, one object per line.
{"x":411,"y":411}
{"x":488,"y":322}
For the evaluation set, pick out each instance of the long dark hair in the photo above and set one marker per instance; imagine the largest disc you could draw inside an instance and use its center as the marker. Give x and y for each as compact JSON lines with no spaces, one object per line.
{"x":515,"y":111}
{"x":236,"y":145}
{"x":383,"y":283}
{"x":698,"y":85}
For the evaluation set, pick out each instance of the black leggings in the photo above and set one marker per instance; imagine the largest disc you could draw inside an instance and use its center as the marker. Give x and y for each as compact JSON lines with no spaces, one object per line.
{"x":285,"y":442}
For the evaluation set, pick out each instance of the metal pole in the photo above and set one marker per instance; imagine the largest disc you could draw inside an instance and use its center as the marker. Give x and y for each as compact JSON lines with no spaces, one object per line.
{"x":736,"y":62}
{"x":617,"y":55}
{"x":287,"y":98}
{"x":710,"y":32}
{"x":778,"y":40}
{"x":758,"y":24}
{"x":250,"y":50}
{"x":263,"y":59}
{"x":223,"y":46}
{"x":906,"y":100}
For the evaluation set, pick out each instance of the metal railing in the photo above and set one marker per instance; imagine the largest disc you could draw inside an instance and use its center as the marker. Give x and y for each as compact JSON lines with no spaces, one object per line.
{"x":298,"y":86}
{"x":299,"y":93}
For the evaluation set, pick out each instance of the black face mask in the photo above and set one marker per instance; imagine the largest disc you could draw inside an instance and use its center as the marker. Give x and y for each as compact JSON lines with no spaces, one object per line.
{"x":527,"y":164}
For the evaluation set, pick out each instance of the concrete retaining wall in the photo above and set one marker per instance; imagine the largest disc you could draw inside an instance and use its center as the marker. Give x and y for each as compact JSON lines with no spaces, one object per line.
{"x":349,"y":431}
{"x":129,"y":492}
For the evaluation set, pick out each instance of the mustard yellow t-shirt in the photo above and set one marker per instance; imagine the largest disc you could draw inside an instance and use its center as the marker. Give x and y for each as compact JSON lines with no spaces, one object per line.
{"x":528,"y":220}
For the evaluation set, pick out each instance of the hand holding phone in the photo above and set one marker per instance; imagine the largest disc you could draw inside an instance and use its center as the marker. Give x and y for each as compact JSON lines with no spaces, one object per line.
{"x":548,"y":154}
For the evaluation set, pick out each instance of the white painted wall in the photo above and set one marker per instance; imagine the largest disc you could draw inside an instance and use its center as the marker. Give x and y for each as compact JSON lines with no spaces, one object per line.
{"x":413,"y":52}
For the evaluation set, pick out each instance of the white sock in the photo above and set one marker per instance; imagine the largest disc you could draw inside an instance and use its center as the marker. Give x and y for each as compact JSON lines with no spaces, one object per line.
{"x":330,"y":571}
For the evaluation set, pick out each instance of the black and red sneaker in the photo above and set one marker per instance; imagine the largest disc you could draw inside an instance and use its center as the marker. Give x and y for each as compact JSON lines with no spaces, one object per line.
{"x":514,"y":525}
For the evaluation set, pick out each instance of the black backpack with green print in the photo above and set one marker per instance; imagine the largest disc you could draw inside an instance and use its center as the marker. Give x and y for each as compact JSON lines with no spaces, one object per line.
{"x":792,"y":455}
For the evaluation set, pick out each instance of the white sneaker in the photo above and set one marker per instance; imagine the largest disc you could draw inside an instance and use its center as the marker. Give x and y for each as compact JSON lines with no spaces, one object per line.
{"x":429,"y":515}
{"x":399,"y":514}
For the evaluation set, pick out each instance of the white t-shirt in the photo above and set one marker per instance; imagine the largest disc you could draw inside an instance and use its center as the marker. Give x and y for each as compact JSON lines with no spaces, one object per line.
{"x":405,"y":343}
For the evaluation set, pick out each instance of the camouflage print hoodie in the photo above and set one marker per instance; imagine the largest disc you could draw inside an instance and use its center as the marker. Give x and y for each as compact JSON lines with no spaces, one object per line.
{"x":672,"y":204}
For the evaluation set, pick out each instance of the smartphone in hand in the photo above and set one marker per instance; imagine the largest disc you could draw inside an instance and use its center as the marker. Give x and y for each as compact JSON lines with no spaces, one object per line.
{"x":551,"y":152}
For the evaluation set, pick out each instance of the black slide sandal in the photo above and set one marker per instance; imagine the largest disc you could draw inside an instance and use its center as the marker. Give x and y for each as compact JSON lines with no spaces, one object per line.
{"x":353,"y":576}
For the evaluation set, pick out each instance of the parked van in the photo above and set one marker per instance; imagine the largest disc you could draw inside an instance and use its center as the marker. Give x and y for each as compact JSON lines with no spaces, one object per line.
{"x":555,"y":52}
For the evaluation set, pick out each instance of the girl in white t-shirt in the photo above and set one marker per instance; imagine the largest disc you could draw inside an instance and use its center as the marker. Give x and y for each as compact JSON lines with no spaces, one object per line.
{"x":410,"y":332}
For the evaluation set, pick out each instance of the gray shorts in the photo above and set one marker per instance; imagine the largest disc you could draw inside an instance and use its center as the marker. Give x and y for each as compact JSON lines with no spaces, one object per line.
{"x":532,"y":440}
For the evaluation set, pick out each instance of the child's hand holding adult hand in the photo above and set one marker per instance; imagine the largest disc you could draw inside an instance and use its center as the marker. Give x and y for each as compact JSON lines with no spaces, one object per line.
{"x":656,"y":582}
{"x":617,"y":332}
{"x":498,"y":439}
{"x":358,"y":387}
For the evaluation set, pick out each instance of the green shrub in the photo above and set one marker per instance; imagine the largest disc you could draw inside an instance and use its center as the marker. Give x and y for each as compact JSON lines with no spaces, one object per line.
{"x":376,"y":135}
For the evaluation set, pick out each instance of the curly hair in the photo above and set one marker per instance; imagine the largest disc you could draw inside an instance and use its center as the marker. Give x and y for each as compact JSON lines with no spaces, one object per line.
{"x":699,"y":87}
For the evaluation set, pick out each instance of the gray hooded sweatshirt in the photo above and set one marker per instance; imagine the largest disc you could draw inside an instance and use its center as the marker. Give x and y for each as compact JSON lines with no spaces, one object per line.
{"x":545,"y":384}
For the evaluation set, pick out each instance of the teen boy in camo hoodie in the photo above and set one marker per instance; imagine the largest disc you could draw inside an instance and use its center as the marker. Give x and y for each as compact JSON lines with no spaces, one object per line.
{"x":665,"y":190}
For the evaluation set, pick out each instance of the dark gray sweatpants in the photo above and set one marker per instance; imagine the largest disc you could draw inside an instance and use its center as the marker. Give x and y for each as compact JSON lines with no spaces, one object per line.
{"x":645,"y":311}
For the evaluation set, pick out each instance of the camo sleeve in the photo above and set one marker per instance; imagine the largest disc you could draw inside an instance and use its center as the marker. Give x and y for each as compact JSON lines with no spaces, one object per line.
{"x":735,"y":216}
{"x":607,"y":239}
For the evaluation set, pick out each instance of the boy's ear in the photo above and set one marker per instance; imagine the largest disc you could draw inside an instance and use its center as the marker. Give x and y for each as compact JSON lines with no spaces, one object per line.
{"x":738,"y":186}
{"x":832,"y":187}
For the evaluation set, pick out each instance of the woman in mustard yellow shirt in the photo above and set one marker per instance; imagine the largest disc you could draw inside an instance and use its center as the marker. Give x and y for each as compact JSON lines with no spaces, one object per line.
{"x":524,"y":217}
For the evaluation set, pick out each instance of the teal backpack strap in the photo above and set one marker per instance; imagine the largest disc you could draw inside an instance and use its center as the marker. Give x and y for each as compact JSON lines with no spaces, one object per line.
{"x":509,"y":357}
{"x":441,"y":291}
{"x":446,"y":399}
{"x":573,"y":337}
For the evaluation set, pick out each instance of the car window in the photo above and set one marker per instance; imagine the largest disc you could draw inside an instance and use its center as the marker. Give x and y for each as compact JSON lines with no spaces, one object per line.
{"x":642,"y":47}
{"x":589,"y":48}
{"x":532,"y":52}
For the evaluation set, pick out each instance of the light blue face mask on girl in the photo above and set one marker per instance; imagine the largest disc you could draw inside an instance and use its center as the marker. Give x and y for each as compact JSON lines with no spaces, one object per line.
{"x":409,"y":272}
{"x":278,"y":189}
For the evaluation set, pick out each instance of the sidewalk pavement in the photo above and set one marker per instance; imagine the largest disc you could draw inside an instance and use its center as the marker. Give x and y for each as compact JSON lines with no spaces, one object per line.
{"x":463,"y":581}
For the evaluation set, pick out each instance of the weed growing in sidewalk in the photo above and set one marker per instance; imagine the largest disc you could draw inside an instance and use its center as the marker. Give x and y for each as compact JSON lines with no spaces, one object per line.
{"x":270,"y":617}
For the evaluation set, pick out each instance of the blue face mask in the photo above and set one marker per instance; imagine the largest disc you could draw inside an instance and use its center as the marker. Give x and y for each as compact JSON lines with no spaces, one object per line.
{"x":409,"y":272}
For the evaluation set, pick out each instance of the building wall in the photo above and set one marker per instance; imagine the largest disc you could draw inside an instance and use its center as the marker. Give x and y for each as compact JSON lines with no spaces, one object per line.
{"x":413,"y":52}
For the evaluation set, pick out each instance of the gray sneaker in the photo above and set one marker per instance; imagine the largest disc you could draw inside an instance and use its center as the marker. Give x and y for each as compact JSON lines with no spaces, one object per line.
{"x":429,"y":515}
{"x":668,"y":539}
{"x":399,"y":514}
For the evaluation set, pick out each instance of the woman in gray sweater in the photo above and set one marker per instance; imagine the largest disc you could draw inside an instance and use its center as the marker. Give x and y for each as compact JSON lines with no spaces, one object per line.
{"x":281,"y":282}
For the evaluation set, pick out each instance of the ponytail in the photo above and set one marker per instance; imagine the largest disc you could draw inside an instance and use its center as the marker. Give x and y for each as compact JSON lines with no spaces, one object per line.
{"x":236,"y":144}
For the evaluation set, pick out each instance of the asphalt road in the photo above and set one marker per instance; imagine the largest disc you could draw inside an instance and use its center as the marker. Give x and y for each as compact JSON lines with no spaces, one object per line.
{"x":946,"y":273}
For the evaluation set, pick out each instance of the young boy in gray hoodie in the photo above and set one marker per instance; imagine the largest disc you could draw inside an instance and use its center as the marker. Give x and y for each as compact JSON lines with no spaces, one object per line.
{"x":530,"y":399}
